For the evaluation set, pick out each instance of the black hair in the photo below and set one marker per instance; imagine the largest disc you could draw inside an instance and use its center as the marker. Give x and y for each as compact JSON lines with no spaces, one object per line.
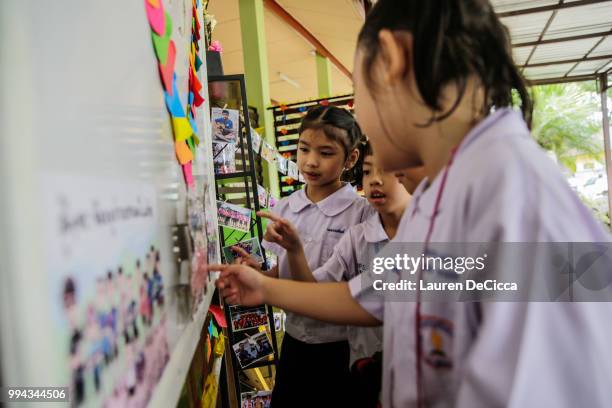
{"x":225,"y":112}
{"x":339,"y":125}
{"x":365,"y":149}
{"x":451,"y":41}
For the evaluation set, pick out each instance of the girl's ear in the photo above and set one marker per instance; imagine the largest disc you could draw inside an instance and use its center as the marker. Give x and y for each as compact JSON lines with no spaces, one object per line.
{"x":352,"y":159}
{"x":395,"y":54}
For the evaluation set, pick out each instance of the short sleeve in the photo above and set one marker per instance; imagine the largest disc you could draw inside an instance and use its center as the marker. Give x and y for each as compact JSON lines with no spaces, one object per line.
{"x":373,"y":303}
{"x":339,"y":263}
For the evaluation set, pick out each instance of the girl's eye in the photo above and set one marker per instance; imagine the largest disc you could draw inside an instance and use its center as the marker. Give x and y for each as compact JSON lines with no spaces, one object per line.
{"x":303,"y":149}
{"x":366,"y":172}
{"x":327,"y":153}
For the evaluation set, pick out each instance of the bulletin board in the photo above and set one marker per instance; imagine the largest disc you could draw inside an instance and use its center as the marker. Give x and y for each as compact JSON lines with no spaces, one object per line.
{"x":93,"y":292}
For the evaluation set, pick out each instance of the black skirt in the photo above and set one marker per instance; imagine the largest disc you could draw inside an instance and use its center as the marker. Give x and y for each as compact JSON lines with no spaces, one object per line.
{"x":312,"y":375}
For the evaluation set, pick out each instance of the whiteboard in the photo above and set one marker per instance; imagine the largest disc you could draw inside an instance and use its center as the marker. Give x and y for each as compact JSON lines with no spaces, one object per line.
{"x":83,"y":127}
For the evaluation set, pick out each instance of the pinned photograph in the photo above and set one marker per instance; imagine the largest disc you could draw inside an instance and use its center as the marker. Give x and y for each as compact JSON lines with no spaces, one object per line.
{"x":244,"y":318}
{"x":256,"y":399}
{"x":234,"y":216}
{"x":225,"y":124}
{"x":255,"y":141}
{"x":262,"y":196}
{"x":292,"y":169}
{"x":250,"y":245}
{"x":267,"y":152}
{"x":279,"y":321}
{"x":253,"y":349}
{"x":224,"y":157}
{"x":281,"y":163}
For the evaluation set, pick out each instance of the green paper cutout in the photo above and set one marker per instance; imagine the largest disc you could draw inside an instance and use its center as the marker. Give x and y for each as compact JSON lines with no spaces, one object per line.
{"x":198,"y":63}
{"x":161,"y":43}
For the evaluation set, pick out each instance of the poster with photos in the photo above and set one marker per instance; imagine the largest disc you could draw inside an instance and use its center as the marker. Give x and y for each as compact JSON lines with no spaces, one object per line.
{"x":225,"y":124}
{"x":253,"y":349}
{"x":251,"y":246}
{"x":107,"y":269}
{"x":196,"y":210}
{"x":234,"y":216}
{"x":224,"y":157}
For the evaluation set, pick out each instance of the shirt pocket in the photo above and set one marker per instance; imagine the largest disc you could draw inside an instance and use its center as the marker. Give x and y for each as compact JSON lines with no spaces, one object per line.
{"x":328,"y":241}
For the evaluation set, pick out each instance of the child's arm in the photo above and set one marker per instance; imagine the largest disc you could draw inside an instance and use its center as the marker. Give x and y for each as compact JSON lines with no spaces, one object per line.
{"x":240,"y":284}
{"x":283,"y":233}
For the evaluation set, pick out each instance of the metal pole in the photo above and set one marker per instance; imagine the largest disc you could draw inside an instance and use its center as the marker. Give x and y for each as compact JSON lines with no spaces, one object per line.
{"x":603,"y":87}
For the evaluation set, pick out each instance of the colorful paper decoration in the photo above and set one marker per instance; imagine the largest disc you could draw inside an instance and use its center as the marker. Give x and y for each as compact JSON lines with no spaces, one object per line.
{"x":167,"y":71}
{"x":156,"y":18}
{"x":183,"y":153}
{"x":181,"y":128}
{"x":219,"y":315}
{"x":161,"y":43}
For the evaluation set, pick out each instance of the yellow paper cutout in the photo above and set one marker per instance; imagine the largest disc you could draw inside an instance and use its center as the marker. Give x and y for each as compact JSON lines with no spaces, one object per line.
{"x":182,"y":129}
{"x":209,"y":397}
{"x":208,"y":349}
{"x":154,"y":3}
{"x":220,"y":346}
{"x":183,"y":153}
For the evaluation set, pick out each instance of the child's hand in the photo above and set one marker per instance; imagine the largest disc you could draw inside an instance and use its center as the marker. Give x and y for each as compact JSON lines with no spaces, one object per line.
{"x":239,"y":284}
{"x":244,"y":258}
{"x":281,"y":232}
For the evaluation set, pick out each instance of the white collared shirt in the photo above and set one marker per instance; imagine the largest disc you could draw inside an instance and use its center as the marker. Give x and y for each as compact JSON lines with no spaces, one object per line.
{"x":351,"y":256}
{"x":501,"y":187}
{"x":320,"y":226}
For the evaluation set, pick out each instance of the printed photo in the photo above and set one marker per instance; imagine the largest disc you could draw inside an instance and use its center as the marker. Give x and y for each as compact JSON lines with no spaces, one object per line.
{"x":224,"y":157}
{"x":225,"y":123}
{"x":262,"y":196}
{"x":234,"y":216}
{"x":292,"y":169}
{"x":248,"y":318}
{"x":251,"y":246}
{"x":268,"y":153}
{"x":281,"y":162}
{"x":256,"y":399}
{"x":253,"y":349}
{"x":255,"y":141}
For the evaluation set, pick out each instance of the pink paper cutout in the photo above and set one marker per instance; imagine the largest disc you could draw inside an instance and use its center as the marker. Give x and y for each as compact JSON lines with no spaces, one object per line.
{"x":156,"y":17}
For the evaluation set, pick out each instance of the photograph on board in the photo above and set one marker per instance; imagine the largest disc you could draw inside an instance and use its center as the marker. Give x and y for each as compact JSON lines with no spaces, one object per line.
{"x":225,"y":124}
{"x":234,"y":216}
{"x":253,"y":349}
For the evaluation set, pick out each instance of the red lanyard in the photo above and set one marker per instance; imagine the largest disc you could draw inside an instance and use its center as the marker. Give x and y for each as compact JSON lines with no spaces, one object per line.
{"x":417,"y":321}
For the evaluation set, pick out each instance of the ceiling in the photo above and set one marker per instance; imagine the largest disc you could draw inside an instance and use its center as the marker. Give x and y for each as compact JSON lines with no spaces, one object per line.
{"x":288,"y":52}
{"x":552,"y":40}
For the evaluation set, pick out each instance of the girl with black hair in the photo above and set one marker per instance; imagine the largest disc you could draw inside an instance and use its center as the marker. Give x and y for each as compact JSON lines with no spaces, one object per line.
{"x":435,"y":85}
{"x":321,"y":211}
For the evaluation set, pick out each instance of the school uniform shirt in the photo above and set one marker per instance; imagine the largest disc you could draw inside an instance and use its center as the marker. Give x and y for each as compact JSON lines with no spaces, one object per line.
{"x":501,"y":187}
{"x":351,"y":256}
{"x":320,"y":227}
